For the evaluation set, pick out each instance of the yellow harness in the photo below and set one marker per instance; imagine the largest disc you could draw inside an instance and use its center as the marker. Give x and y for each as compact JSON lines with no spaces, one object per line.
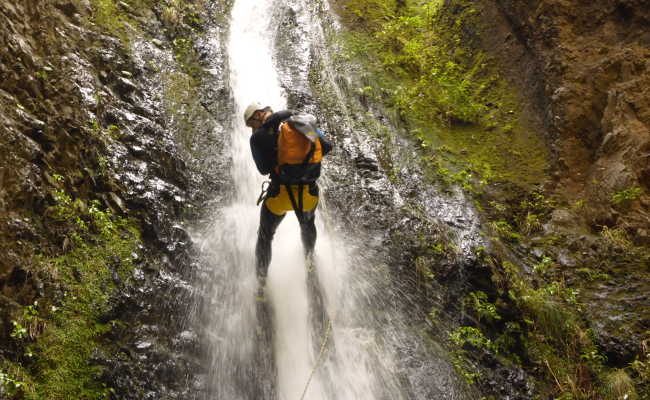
{"x":280,"y":204}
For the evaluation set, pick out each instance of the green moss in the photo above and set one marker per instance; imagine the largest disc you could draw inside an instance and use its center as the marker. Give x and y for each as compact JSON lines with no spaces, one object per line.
{"x":176,"y":12}
{"x":547,"y":308}
{"x":554,"y":337}
{"x":188,"y":59}
{"x":425,"y":62}
{"x":428,"y":72}
{"x":181,"y":102}
{"x":63,"y":359}
{"x":112,"y":17}
{"x":463,"y":367}
{"x":632,"y":256}
{"x":60,"y":337}
{"x":472,"y":336}
{"x":494,"y":155}
{"x":619,"y":385}
{"x":180,"y":18}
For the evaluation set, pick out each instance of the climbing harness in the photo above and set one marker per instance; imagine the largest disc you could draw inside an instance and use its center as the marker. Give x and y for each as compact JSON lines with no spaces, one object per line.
{"x":323,"y":347}
{"x":297,"y":206}
{"x":278,"y":200}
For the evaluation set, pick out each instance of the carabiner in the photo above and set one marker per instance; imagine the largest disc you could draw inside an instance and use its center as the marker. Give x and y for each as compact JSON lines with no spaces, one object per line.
{"x":265,"y":190}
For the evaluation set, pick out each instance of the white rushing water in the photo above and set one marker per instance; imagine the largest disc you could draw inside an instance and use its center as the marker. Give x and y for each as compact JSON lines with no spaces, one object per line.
{"x":359,"y":363}
{"x":254,"y":79}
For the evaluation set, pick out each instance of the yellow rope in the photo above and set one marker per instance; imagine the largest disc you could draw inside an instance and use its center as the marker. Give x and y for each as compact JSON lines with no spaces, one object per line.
{"x":320,"y":357}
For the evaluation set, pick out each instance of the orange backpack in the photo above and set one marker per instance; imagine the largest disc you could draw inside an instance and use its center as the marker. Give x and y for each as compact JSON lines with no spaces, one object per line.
{"x":299,"y":150}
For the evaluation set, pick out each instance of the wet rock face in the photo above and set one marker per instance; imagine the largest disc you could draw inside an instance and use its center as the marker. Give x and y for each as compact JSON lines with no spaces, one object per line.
{"x":43,"y":131}
{"x":84,"y":113}
{"x":595,"y":62}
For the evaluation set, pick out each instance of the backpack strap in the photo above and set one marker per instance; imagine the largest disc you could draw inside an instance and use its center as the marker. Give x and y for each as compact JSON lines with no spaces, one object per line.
{"x":299,"y":211}
{"x":297,"y":205}
{"x":310,"y":154}
{"x":300,"y":203}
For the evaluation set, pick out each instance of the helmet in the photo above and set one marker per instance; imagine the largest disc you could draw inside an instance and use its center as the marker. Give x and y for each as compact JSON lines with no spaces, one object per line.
{"x":250,"y":110}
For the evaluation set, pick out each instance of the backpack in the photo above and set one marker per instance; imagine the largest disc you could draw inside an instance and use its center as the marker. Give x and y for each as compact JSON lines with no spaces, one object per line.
{"x":299,"y":150}
{"x":299,"y":156}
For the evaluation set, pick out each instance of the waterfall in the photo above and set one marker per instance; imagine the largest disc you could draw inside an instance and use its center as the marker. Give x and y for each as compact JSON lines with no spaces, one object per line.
{"x":235,"y":327}
{"x":366,"y":330}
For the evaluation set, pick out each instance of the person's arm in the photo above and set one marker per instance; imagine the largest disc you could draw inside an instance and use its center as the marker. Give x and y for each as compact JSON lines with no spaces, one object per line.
{"x":263,"y":142}
{"x":261,"y":154}
{"x":277,"y":117}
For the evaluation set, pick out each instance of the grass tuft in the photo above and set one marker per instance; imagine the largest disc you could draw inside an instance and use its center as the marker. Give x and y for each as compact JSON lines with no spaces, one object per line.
{"x":619,"y":386}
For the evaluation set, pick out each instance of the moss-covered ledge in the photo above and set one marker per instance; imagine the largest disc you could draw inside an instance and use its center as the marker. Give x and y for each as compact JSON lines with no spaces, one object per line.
{"x":54,"y":338}
{"x":425,"y":63}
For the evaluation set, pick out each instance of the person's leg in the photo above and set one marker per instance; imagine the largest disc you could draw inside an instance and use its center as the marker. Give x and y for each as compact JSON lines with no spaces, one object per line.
{"x":268,"y":224}
{"x":307,"y":225}
{"x":308,"y":232}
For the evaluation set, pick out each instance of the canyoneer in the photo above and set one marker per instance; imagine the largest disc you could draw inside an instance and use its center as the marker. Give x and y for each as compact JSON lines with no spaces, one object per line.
{"x":287,"y":146}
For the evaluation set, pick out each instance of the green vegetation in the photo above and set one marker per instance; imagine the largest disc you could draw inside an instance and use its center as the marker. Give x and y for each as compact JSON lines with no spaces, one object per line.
{"x":181,"y":103}
{"x":181,"y":20}
{"x":544,"y":266}
{"x":485,"y":310}
{"x":177,"y":12}
{"x":56,"y":340}
{"x":427,"y":66}
{"x":422,"y":61}
{"x":9,"y":386}
{"x":85,"y":252}
{"x":187,"y":58}
{"x":119,"y":16}
{"x":464,"y":338}
{"x":551,"y":336}
{"x":619,"y":241}
{"x":535,"y":319}
{"x":469,"y":335}
{"x":414,"y":46}
{"x":505,"y":231}
{"x":555,"y":338}
{"x":626,"y":195}
{"x":41,"y":75}
{"x":640,"y":369}
{"x":619,"y":385}
{"x":114,"y":16}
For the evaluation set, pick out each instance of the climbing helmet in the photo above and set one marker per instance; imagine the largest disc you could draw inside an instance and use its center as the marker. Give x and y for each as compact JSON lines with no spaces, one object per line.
{"x":250,"y":111}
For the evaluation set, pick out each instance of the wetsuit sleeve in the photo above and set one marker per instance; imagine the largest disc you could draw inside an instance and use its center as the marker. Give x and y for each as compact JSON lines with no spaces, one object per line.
{"x":279,"y":116}
{"x":262,"y":154}
{"x":264,"y":142}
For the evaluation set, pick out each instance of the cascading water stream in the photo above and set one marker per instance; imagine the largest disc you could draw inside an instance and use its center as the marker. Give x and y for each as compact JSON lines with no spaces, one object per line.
{"x":361,"y":353}
{"x":236,"y":341}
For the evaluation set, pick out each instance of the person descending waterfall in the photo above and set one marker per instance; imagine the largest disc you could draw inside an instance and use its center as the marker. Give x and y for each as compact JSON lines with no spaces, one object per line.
{"x":287,"y":146}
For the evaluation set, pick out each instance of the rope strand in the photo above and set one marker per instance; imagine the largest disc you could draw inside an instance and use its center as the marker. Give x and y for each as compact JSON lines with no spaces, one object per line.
{"x":320,"y":357}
